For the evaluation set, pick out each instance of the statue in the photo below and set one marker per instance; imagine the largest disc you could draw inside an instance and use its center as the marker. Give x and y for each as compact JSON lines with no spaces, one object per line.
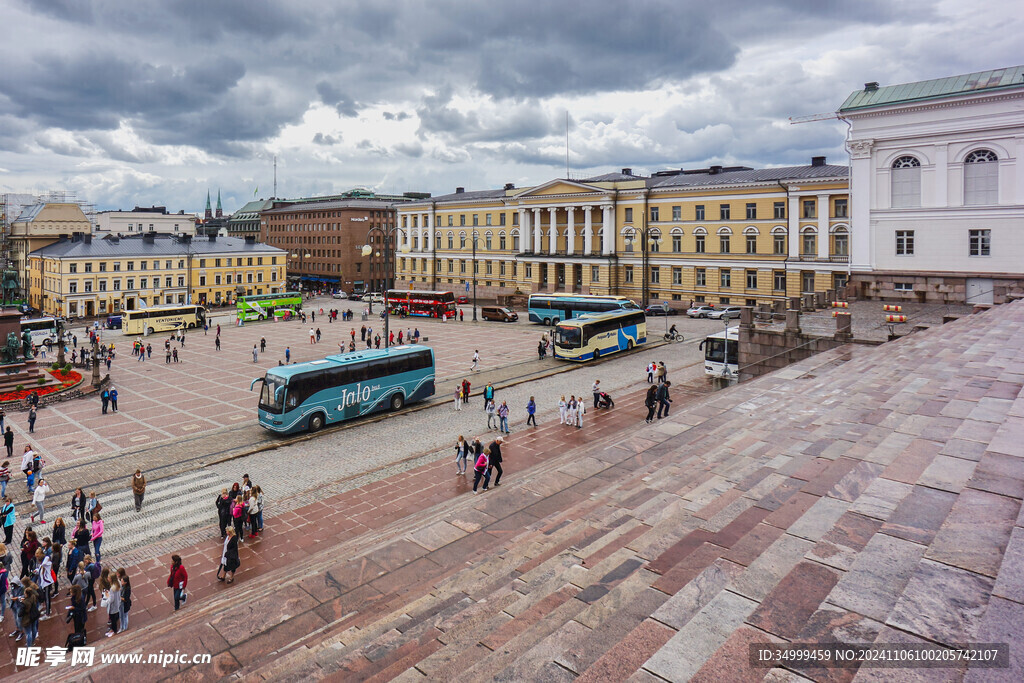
{"x":9,"y":282}
{"x":26,"y":344}
{"x":12,"y":348}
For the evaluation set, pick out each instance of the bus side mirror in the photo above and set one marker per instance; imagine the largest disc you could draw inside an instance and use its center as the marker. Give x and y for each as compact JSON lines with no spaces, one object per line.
{"x":258,"y":379}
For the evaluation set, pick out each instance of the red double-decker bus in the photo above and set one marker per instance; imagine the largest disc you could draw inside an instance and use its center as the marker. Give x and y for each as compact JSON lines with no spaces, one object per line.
{"x":423,"y":303}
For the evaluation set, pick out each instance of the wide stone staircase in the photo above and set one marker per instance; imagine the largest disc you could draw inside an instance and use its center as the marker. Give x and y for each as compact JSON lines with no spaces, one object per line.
{"x":866,"y":495}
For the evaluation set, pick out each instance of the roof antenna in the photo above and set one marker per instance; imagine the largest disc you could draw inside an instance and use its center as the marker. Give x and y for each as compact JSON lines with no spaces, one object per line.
{"x":275,"y":176}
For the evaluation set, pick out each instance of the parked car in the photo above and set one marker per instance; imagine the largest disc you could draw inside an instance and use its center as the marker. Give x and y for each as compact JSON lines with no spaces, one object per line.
{"x":462,"y":299}
{"x":340,"y":295}
{"x":499,"y":313}
{"x":375,"y":297}
{"x":660,"y":309}
{"x":700,"y":311}
{"x":725,"y":313}
{"x":355,"y":296}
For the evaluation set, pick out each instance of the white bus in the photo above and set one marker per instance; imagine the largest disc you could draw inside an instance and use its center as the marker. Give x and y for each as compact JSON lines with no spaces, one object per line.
{"x":593,"y":335}
{"x":43,"y":330}
{"x":722,"y":353}
{"x":162,"y":319}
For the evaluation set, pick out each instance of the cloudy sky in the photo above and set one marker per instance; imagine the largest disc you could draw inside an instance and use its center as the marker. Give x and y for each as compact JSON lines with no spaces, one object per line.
{"x":156,"y":101}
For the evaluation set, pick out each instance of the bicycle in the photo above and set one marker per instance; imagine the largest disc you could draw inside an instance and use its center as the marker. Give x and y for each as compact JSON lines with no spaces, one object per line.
{"x":673,"y":337}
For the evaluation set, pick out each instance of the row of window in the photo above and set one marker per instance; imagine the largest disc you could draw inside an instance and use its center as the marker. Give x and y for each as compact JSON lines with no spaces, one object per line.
{"x":700,"y":277}
{"x":809,"y":210}
{"x":144,"y":283}
{"x":808,"y":243}
{"x":87,"y":267}
{"x":979,"y":242}
{"x":317,"y":227}
{"x":981,"y":180}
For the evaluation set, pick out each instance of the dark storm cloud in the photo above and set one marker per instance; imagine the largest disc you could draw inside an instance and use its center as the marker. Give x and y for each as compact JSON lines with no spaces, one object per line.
{"x":98,"y":90}
{"x":438,"y":116}
{"x":334,"y":97}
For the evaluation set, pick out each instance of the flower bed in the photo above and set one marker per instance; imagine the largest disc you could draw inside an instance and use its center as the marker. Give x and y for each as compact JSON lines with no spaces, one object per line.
{"x":67,"y":380}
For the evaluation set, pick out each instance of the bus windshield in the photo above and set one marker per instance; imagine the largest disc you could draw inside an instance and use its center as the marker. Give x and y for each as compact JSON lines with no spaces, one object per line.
{"x":567,"y":337}
{"x":717,"y":349}
{"x":272,"y":396}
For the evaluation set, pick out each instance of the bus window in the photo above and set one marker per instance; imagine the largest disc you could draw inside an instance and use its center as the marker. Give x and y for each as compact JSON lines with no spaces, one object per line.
{"x":272,"y":396}
{"x":567,"y":337}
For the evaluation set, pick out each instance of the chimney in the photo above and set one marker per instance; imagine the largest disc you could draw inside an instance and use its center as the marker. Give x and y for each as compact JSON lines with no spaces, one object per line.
{"x":627,"y":171}
{"x":212,"y":236}
{"x":817,"y":161}
{"x":86,"y":238}
{"x":510,"y":186}
{"x":871,"y":86}
{"x":149,"y":238}
{"x":714,"y":170}
{"x":459,"y":190}
{"x":250,"y":239}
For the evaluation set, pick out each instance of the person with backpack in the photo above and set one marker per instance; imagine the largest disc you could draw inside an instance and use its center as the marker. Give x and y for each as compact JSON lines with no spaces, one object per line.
{"x":238,"y":516}
{"x":105,"y":399}
{"x":531,"y":412}
{"x":8,"y":516}
{"x":126,"y":598}
{"x":178,"y":582}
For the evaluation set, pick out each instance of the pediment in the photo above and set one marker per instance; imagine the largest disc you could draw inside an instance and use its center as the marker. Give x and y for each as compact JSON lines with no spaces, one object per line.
{"x":560,"y":187}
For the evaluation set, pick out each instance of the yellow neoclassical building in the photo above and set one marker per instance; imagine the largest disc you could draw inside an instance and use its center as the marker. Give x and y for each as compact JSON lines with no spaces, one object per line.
{"x":87,"y":276}
{"x":720,"y":235}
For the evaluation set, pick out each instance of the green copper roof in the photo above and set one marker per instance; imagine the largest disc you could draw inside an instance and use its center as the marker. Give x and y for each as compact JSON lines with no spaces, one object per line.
{"x":941,"y":87}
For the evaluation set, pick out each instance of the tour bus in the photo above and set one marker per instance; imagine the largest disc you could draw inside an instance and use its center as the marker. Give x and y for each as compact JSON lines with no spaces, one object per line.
{"x":593,"y":335}
{"x":162,"y":318}
{"x":418,"y":302}
{"x":722,"y":353}
{"x":549,"y":309}
{"x":307,"y":396}
{"x":43,"y":330}
{"x":264,"y":306}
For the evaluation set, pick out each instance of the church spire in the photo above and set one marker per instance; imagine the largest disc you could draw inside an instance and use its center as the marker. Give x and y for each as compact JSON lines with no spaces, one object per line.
{"x":220,"y":211}
{"x":209,"y":211}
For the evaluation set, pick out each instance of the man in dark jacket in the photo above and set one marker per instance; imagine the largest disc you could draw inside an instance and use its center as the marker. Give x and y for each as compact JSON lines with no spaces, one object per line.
{"x":495,"y":449}
{"x":663,"y":398}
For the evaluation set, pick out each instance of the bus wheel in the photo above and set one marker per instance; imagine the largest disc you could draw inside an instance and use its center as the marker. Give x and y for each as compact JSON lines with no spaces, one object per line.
{"x":547,"y":321}
{"x":191,"y":325}
{"x":397,"y":402}
{"x":629,"y":344}
{"x":149,"y":330}
{"x":316,"y":422}
{"x":261,"y":316}
{"x":597,"y":353}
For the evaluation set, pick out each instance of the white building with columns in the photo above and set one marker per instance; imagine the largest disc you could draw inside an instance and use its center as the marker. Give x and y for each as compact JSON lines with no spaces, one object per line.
{"x":938,"y":188}
{"x":720,"y":235}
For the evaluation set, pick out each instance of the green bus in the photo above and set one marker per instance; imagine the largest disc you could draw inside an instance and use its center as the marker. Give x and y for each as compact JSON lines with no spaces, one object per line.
{"x":266,"y":306}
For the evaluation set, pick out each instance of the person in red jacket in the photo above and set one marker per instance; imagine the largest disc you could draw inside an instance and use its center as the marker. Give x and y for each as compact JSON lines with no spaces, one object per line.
{"x":178,"y":581}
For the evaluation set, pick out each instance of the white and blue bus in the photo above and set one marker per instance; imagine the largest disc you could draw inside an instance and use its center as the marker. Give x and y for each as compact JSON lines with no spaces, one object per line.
{"x":549,"y":309}
{"x":307,"y":396}
{"x":722,"y":353}
{"x":594,"y":335}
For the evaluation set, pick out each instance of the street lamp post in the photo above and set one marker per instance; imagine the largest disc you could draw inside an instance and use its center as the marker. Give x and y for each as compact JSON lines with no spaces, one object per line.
{"x":388,"y":234}
{"x":301,"y":255}
{"x":475,"y":235}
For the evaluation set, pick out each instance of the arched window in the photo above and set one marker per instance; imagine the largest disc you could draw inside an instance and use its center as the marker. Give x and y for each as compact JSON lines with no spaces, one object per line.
{"x":654,"y":240}
{"x":750,"y":234}
{"x":779,"y":243}
{"x":809,"y":242}
{"x":451,"y":239}
{"x":724,"y":240}
{"x":906,"y":182}
{"x":699,"y":240}
{"x":981,"y":177}
{"x":462,"y":239}
{"x":840,"y":241}
{"x":515,"y":240}
{"x":488,"y":240}
{"x":501,"y":241}
{"x":628,"y":235}
{"x":677,"y":240}
{"x":437,"y":240}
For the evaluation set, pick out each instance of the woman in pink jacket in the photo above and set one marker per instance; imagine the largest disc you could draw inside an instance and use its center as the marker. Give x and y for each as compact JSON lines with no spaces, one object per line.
{"x":97,"y":534}
{"x":482,"y":470}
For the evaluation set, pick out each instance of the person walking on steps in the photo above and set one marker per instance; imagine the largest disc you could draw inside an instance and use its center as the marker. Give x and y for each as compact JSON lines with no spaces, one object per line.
{"x":651,"y":401}
{"x":663,"y":399}
{"x":476,"y":361}
{"x":531,"y":412}
{"x":462,"y":450}
{"x":229,"y":561}
{"x":178,"y":582}
{"x":481,"y":470}
{"x":503,"y":418}
{"x":492,"y":415}
{"x":39,"y":499}
{"x":494,"y":459}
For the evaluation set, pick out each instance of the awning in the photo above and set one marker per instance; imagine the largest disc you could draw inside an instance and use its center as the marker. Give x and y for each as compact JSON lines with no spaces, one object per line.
{"x":310,"y":278}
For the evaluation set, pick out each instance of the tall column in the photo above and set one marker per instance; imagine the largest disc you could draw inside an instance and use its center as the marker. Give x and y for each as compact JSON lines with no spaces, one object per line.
{"x":588,"y":231}
{"x":861,"y":179}
{"x":424,"y":231}
{"x":570,"y":230}
{"x":608,"y":227}
{"x":823,"y":236}
{"x":536,"y":231}
{"x":553,"y":246}
{"x":402,"y":221}
{"x":524,"y":230}
{"x":430,"y":231}
{"x":794,"y":227}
